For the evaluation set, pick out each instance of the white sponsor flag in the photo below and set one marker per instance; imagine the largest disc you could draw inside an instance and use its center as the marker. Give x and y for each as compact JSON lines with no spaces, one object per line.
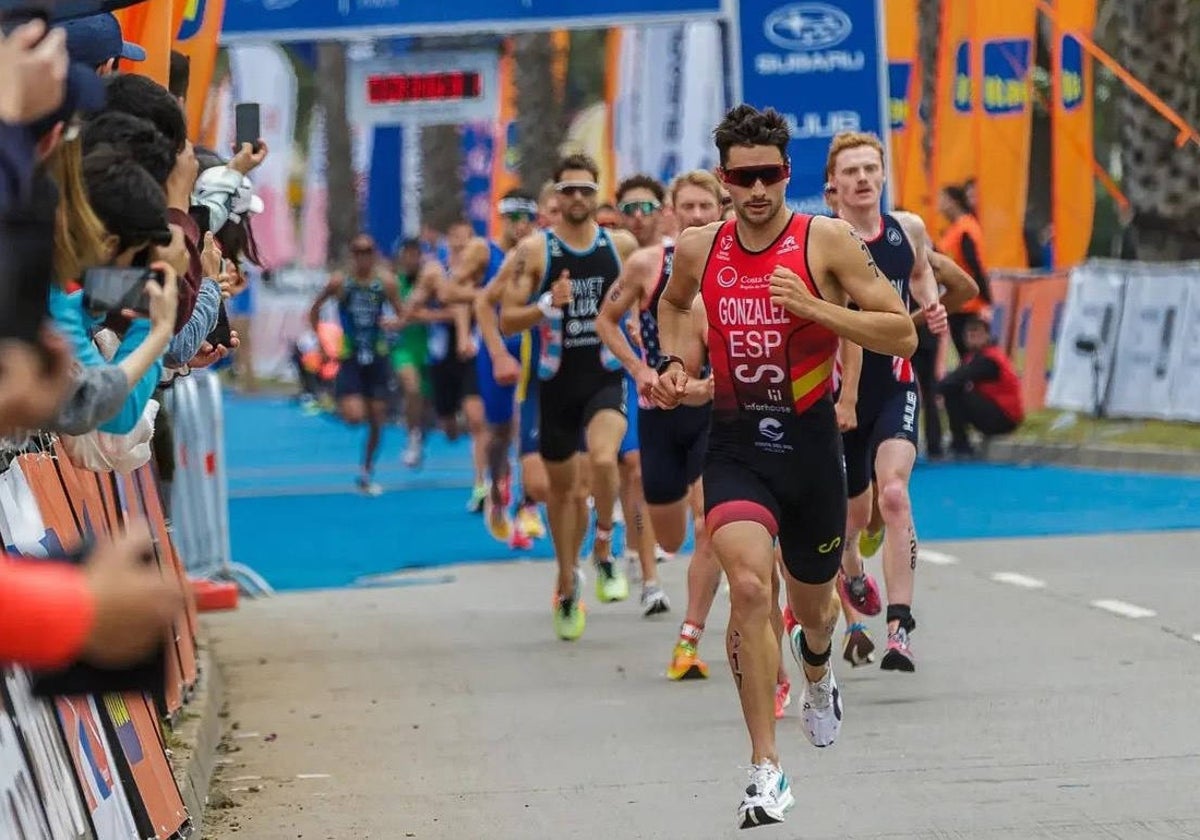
{"x":263,"y":73}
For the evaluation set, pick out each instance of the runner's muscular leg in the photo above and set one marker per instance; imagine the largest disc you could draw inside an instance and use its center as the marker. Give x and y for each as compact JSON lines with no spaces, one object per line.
{"x":747,"y":554}
{"x":704,"y":572}
{"x":377,"y":411}
{"x":604,"y":434}
{"x":893,"y":466}
{"x":353,"y":409}
{"x":563,"y":510}
{"x":639,"y":529}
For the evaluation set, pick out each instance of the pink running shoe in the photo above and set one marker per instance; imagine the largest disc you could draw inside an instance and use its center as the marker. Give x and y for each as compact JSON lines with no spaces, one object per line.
{"x":899,"y":656}
{"x":860,"y":592}
{"x":783,"y":698}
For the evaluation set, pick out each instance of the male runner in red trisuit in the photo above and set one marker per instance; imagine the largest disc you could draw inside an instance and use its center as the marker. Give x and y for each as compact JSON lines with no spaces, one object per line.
{"x":775,"y":285}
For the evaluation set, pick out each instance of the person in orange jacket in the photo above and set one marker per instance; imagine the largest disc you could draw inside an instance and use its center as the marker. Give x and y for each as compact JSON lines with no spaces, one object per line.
{"x":983,"y":392}
{"x":111,"y":612}
{"x":963,"y":243}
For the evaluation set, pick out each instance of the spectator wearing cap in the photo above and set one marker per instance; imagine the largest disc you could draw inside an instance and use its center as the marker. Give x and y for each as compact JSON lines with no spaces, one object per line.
{"x":96,"y":41}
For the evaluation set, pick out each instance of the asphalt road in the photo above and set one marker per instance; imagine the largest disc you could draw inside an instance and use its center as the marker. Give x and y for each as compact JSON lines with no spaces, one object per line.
{"x":1055,"y":697}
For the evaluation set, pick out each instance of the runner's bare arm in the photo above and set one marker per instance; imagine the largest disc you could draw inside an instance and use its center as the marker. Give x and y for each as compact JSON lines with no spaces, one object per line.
{"x":625,"y":243}
{"x":391,"y":290}
{"x":625,"y":294}
{"x":676,"y":334}
{"x":418,"y":308}
{"x":332,"y":289}
{"x":851,"y":357}
{"x":960,"y":287}
{"x":517,"y":314}
{"x":842,"y":266}
{"x":462,"y":285}
{"x":490,"y":299}
{"x":922,"y":284}
{"x":699,"y":391}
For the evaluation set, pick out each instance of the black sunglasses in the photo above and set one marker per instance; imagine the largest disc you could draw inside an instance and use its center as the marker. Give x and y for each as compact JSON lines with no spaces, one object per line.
{"x":747,"y":176}
{"x":362,"y":252}
{"x":570,"y":188}
{"x":520,"y":216}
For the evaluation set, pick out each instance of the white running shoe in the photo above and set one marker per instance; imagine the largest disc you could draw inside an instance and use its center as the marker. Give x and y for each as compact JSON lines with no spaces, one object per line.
{"x":821,"y":710}
{"x":654,"y":600}
{"x":768,"y":797}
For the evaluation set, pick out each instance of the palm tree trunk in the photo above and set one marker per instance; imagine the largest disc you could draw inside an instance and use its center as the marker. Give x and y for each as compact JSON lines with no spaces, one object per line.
{"x":1162,"y":181}
{"x":929,"y":22}
{"x":539,"y":109}
{"x":441,"y":176}
{"x":342,"y":212}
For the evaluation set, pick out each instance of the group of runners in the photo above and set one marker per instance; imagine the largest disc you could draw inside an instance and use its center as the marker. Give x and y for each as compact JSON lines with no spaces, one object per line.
{"x":751,"y":374}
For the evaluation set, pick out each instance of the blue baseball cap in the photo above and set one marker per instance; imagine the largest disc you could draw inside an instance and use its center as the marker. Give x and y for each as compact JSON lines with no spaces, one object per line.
{"x":83,"y":93}
{"x":95,"y":39}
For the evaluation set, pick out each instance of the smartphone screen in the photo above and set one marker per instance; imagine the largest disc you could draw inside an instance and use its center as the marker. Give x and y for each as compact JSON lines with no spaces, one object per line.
{"x":111,"y":289}
{"x":248,"y":125}
{"x":221,"y":334}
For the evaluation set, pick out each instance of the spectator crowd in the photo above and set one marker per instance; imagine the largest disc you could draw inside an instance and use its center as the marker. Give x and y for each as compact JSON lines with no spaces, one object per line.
{"x":121,"y":243}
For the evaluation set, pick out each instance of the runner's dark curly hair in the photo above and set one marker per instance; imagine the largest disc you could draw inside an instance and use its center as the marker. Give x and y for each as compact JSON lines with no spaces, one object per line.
{"x":745,"y":125}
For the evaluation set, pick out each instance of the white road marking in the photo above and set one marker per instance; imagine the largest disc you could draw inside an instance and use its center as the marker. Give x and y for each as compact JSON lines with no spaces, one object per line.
{"x":1016,"y":579}
{"x":937,"y":558}
{"x":1123,"y":608}
{"x":313,"y":776}
{"x":1196,"y":637}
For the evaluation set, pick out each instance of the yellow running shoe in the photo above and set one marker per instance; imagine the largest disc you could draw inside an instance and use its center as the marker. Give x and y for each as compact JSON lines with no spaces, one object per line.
{"x":499,"y":523}
{"x":686,"y":664}
{"x":570,"y":615}
{"x":529,"y":521}
{"x":611,"y":583}
{"x":868,"y":543}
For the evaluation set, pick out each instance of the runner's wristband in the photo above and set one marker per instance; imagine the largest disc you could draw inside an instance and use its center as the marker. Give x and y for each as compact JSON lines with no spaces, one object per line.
{"x":665,"y":364}
{"x":546,"y":305}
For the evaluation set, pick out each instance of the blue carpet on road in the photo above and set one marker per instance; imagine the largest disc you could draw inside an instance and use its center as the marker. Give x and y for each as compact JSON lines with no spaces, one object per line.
{"x":297,"y":520}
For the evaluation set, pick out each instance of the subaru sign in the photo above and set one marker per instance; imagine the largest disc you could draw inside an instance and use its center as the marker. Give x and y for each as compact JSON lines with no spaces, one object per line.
{"x":823,"y":66}
{"x":315,"y":20}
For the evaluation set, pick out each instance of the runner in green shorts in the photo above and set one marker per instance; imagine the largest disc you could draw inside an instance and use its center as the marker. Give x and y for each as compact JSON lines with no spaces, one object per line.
{"x":409,"y":351}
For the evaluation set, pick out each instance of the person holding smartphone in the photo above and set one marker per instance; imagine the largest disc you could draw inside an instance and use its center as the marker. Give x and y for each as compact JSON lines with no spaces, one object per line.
{"x":146,"y":295}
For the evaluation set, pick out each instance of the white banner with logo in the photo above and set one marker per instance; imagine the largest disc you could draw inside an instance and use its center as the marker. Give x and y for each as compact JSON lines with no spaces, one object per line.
{"x":1185,"y":385}
{"x":627,"y":108}
{"x":1148,"y":349}
{"x":1091,"y":322}
{"x":49,"y":761}
{"x":314,"y":225}
{"x":263,"y":73}
{"x":22,"y":815}
{"x":703,"y":96}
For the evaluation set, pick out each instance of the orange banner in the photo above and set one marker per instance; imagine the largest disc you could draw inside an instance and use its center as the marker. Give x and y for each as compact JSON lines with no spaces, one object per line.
{"x":955,"y":153}
{"x":196,"y":37}
{"x":612,"y":84}
{"x":148,"y":24}
{"x":1004,"y":58}
{"x":1037,"y":321}
{"x":505,"y":175}
{"x":504,"y":149}
{"x":1073,"y":189}
{"x":910,"y":185}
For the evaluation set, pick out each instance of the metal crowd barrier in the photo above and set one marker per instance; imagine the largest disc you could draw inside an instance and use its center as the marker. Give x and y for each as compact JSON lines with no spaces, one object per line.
{"x":200,"y":492}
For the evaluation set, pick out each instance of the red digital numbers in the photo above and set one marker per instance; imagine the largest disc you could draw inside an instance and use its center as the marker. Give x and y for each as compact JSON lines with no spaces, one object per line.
{"x":423,"y":87}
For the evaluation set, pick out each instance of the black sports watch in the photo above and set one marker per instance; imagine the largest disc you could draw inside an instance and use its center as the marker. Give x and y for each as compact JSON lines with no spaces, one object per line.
{"x":665,"y":363}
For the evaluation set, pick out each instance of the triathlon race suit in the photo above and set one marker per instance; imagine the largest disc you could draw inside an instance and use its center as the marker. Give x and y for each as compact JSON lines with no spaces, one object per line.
{"x":527,"y":393}
{"x":453,"y":379}
{"x":583,"y":385}
{"x":887,"y":387}
{"x":774,"y":452}
{"x":499,"y":401}
{"x":365,"y":369}
{"x":409,"y":346}
{"x":673,"y":443}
